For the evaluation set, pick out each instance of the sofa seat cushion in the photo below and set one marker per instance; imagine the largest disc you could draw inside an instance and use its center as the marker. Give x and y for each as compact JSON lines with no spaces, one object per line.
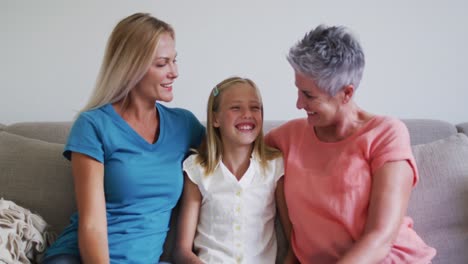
{"x":439,"y":202}
{"x":36,"y":176}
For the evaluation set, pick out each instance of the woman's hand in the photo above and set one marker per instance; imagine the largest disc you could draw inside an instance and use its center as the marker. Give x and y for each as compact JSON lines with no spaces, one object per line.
{"x":88,"y":175}
{"x":187,"y":223}
{"x":391,"y":189}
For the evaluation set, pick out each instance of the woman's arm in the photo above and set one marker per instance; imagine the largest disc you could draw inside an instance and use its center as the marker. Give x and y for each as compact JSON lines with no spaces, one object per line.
{"x":284,"y":219}
{"x":390,"y":194}
{"x":187,"y":223}
{"x":88,"y":175}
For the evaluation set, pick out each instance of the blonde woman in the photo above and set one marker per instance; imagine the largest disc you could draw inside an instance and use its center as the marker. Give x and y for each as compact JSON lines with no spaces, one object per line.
{"x":228,"y":206}
{"x":126,"y":151}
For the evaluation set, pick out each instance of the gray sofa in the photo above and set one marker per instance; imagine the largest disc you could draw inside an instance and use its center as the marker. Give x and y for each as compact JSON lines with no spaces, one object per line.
{"x":34,"y":174}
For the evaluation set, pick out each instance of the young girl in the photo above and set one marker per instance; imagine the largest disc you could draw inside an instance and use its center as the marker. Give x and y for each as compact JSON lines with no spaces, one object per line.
{"x":228,"y":204}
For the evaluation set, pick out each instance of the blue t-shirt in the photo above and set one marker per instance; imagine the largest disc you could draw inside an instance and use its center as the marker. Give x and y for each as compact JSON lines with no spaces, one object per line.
{"x":142,"y":181}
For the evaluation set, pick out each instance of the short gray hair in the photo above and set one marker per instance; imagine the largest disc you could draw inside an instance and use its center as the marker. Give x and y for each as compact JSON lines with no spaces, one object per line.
{"x":331,"y":56}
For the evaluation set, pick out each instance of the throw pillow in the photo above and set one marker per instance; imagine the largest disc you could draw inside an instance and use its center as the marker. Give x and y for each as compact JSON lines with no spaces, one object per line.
{"x":438,"y":203}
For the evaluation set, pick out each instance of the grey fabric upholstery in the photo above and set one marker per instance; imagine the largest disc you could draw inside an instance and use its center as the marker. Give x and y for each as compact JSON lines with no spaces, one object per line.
{"x":463,"y":128}
{"x":55,"y":132}
{"x":439,"y":202}
{"x":425,"y":130}
{"x":35,"y":176}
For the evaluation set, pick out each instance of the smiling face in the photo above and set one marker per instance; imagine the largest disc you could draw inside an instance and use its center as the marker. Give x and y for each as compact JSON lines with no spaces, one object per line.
{"x":239,"y":117}
{"x":321,"y":108}
{"x":156,"y":84}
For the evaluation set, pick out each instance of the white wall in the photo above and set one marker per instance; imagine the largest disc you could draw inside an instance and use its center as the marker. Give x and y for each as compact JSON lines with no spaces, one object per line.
{"x":416,"y":52}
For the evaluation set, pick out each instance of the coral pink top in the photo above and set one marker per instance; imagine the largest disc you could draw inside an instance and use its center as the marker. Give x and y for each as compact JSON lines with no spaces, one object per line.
{"x":328,"y":186}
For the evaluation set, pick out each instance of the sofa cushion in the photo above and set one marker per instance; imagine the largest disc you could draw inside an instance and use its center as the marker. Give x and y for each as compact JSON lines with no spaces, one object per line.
{"x":56,"y":132}
{"x":463,"y":128}
{"x":423,"y":131}
{"x":439,"y":202}
{"x":49,"y":192}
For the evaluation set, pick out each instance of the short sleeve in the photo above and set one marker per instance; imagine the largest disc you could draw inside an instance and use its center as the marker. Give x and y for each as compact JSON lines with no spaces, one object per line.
{"x":192,"y":169}
{"x":197,"y":130}
{"x":279,"y":168}
{"x":393,"y":144}
{"x":85,"y":138}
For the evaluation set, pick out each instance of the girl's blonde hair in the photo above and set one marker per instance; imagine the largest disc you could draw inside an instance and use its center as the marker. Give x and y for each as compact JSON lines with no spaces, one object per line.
{"x":129,"y":54}
{"x":209,"y":152}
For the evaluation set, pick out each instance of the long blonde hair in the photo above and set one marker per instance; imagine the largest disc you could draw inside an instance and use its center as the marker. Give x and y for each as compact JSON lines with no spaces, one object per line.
{"x":129,"y":54}
{"x":209,"y":152}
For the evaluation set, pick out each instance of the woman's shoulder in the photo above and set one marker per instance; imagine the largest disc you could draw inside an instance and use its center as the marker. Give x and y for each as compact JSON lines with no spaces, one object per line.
{"x":387,"y":124}
{"x":103,"y":118}
{"x":286,"y":134}
{"x":289,"y":126}
{"x":179,"y":115}
{"x":89,"y":118}
{"x":386,"y":131}
{"x":95,"y":114}
{"x":174,"y":111}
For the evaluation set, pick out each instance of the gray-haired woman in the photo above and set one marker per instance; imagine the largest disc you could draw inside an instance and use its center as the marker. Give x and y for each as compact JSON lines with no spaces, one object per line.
{"x":348,"y":173}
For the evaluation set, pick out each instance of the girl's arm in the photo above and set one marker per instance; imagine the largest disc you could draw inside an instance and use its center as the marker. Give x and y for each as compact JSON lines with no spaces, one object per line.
{"x":187,"y":223}
{"x":284,"y":219}
{"x":88,"y":175}
{"x":391,"y":188}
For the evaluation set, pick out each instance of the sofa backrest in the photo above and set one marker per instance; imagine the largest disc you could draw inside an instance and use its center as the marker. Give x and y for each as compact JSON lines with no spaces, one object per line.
{"x":463,"y":128}
{"x":54,"y":132}
{"x":421,"y":130}
{"x":424,"y":130}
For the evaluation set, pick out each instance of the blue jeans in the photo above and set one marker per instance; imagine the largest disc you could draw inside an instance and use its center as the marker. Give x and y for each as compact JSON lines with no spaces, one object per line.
{"x":62,"y":259}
